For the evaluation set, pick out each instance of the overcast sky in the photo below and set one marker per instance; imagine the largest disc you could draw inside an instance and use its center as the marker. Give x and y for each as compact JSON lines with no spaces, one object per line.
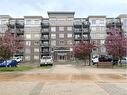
{"x":82,"y":8}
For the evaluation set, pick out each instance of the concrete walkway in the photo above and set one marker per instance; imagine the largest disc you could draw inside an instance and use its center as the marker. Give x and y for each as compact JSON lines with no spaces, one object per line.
{"x":65,"y":80}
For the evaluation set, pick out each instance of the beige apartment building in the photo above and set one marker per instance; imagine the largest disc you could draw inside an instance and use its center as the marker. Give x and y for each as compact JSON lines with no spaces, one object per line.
{"x":57,"y":34}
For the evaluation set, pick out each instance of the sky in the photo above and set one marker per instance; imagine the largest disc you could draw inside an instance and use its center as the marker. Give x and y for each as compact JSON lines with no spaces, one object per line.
{"x":82,"y":8}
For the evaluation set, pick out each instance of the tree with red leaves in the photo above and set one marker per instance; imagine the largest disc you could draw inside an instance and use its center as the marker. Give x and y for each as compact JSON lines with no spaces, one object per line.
{"x":116,"y":43}
{"x":10,"y":43}
{"x":83,"y":50}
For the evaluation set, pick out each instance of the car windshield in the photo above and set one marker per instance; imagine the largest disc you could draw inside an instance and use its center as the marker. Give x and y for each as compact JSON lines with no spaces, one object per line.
{"x":47,"y":57}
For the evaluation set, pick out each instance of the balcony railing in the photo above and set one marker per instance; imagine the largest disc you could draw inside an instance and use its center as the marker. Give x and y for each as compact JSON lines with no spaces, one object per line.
{"x":86,"y":24}
{"x":45,"y":24}
{"x":44,"y":45}
{"x":77,"y":24}
{"x":15,"y":25}
{"x":19,"y":25}
{"x":78,"y":30}
{"x":86,"y":30}
{"x":45,"y":30}
{"x":45,"y":38}
{"x":86,"y":38}
{"x":113,"y":23}
{"x":77,"y":38}
{"x":20,"y":31}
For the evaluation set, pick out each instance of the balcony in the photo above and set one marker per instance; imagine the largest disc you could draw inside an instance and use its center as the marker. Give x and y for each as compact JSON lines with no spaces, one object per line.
{"x":44,"y":45}
{"x":44,"y":38}
{"x":20,"y":31}
{"x":77,"y":24}
{"x":113,"y":23}
{"x":77,"y":31}
{"x":86,"y":38}
{"x":19,"y":25}
{"x":46,"y":30}
{"x":77,"y":38}
{"x":86,"y":31}
{"x":45,"y":24}
{"x":11,"y":25}
{"x":86,"y":24}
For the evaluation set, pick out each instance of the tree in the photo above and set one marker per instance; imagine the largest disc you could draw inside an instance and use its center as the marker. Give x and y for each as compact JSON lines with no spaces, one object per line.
{"x":10,"y":43}
{"x":116,"y":43}
{"x":83,"y":50}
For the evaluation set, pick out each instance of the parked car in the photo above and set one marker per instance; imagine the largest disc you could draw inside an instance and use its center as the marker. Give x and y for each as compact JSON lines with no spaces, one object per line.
{"x":9,"y":63}
{"x":105,"y":58}
{"x":18,"y":59}
{"x":95,"y":60}
{"x":123,"y":60}
{"x":46,"y":60}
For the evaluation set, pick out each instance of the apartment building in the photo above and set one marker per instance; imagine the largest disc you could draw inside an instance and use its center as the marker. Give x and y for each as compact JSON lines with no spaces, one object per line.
{"x":98,"y":34}
{"x":123,"y":19}
{"x":32,"y":37}
{"x":57,"y":34}
{"x":61,"y":34}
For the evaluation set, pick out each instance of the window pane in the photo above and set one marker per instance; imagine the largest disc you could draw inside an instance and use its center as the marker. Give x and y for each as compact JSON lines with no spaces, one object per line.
{"x":61,"y":28}
{"x":28,"y":36}
{"x":53,"y":42}
{"x":27,"y":50}
{"x":27,"y":58}
{"x":69,"y":35}
{"x":53,"y":36}
{"x":61,"y":35}
{"x":69,"y":28}
{"x":36,"y":49}
{"x":36,"y":57}
{"x":28,"y":22}
{"x":53,"y":29}
{"x":28,"y":43}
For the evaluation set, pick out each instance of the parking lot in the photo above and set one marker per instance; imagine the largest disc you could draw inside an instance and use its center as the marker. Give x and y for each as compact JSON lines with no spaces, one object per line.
{"x":65,"y":79}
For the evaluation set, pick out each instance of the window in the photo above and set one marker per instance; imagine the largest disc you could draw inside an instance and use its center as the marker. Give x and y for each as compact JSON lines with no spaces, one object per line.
{"x":3,"y":21}
{"x":85,"y":36}
{"x":53,"y":43}
{"x":61,"y":28}
{"x":28,"y":36}
{"x":101,"y":21}
{"x":69,"y":28}
{"x":76,"y":42}
{"x":62,"y":42}
{"x":28,"y":43}
{"x":36,"y":22}
{"x":36,"y":36}
{"x":61,"y":35}
{"x":36,"y":49}
{"x":27,"y":50}
{"x":102,"y":42}
{"x":69,"y":42}
{"x":70,"y":19}
{"x":61,"y":19}
{"x":69,"y":35}
{"x":93,"y":21}
{"x":28,"y":22}
{"x":52,"y":18}
{"x":53,"y":29}
{"x":27,"y":58}
{"x":36,"y":43}
{"x":53,"y":36}
{"x":36,"y":57}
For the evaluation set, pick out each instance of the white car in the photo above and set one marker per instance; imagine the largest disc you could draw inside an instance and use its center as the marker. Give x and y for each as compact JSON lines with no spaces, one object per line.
{"x":95,"y":60}
{"x":46,"y":60}
{"x":18,"y":59}
{"x":124,"y":60}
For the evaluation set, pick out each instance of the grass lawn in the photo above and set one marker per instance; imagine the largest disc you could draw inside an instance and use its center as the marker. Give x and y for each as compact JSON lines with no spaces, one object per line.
{"x":124,"y":66}
{"x":21,"y":68}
